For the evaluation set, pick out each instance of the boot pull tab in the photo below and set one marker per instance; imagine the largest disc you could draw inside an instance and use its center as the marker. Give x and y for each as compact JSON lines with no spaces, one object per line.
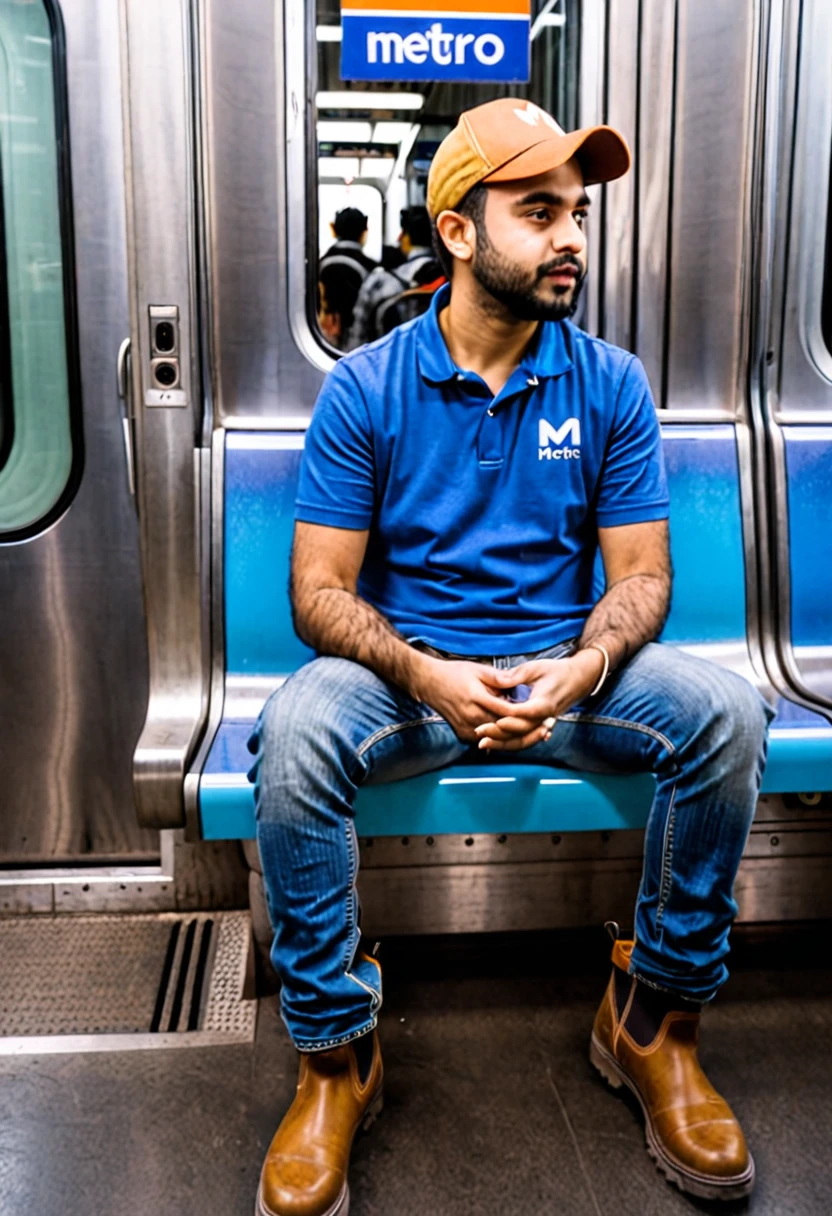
{"x":613,"y":929}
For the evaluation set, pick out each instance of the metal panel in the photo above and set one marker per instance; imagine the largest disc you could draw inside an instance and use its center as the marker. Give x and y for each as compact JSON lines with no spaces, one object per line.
{"x":806,"y":364}
{"x":124,"y":983}
{"x":259,"y":369}
{"x":552,"y":895}
{"x":590,"y":113}
{"x":789,"y":370}
{"x":656,"y":66}
{"x":72,"y":647}
{"x":620,"y":196}
{"x":716,"y":78}
{"x":161,"y":213}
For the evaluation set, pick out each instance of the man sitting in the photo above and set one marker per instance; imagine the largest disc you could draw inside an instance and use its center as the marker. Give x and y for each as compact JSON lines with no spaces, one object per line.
{"x":458,"y":479}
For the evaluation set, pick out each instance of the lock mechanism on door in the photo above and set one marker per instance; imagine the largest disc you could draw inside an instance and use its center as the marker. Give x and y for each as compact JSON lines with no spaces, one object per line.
{"x":164,"y":383}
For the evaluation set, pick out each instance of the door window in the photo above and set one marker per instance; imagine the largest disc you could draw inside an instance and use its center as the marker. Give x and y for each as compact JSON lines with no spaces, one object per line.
{"x":826,"y":299}
{"x":40,"y":431}
{"x":379,"y":138}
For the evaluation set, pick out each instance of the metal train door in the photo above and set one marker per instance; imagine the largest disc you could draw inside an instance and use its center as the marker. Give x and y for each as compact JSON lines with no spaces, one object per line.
{"x":72,"y":643}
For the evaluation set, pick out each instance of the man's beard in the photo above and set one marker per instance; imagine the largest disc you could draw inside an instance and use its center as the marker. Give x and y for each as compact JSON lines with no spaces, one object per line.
{"x":515,"y":288}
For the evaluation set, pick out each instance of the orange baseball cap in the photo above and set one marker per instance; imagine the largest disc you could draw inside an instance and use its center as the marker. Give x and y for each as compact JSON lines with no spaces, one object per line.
{"x":509,"y":139}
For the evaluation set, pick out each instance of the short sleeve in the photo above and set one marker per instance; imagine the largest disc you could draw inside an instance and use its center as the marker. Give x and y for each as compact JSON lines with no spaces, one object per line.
{"x":633,"y":486}
{"x":337,"y":483}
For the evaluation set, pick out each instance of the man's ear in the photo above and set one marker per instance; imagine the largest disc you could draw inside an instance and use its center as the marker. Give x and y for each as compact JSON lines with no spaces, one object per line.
{"x":458,"y":233}
{"x":332,"y":230}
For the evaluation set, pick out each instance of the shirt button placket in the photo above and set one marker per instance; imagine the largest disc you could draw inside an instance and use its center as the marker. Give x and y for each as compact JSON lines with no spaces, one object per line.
{"x":491,"y":438}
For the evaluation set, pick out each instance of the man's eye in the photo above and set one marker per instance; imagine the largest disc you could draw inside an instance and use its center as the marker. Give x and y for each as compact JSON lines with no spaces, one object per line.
{"x":580,"y":217}
{"x":539,"y":214}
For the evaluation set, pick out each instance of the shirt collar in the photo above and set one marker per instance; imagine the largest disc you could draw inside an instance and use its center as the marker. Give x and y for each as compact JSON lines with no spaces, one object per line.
{"x":547,"y":356}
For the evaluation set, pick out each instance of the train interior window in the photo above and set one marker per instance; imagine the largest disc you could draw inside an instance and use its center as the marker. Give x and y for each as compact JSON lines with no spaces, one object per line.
{"x":375,"y":142}
{"x":826,"y":299}
{"x":6,"y":400}
{"x":40,"y":448}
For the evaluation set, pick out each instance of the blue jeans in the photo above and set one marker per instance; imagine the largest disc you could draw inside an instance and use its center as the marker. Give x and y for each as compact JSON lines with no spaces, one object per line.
{"x":334,"y":726}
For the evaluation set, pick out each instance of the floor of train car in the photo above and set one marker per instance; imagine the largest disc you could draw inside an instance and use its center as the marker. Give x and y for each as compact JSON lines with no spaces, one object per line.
{"x":491,"y":1106}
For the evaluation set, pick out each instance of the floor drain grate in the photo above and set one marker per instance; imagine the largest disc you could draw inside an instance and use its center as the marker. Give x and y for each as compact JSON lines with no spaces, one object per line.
{"x":183,"y":977}
{"x":104,"y":983}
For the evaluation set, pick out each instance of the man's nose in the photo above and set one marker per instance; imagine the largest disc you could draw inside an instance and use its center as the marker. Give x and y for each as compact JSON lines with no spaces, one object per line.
{"x":568,"y":237}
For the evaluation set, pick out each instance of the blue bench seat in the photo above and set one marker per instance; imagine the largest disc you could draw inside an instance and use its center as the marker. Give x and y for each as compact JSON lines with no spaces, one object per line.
{"x":501,"y":797}
{"x":485,"y":795}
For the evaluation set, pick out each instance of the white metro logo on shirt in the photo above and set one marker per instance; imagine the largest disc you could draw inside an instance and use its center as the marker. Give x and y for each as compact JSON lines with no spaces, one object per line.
{"x":552,"y":440}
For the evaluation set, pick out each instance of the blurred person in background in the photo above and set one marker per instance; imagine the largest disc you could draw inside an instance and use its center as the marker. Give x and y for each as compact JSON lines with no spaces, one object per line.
{"x":382,"y":286}
{"x":336,"y":301}
{"x":341,"y":274}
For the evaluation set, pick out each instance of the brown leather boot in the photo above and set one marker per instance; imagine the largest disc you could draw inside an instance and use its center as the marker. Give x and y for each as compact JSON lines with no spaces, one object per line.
{"x":692,"y":1133}
{"x":305,"y":1171}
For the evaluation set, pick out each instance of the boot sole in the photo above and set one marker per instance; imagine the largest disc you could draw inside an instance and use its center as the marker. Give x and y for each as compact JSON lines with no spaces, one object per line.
{"x":341,"y":1207}
{"x":702,"y":1186}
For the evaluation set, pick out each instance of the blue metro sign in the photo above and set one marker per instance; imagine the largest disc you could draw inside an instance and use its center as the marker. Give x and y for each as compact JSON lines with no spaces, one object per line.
{"x":465,"y":40}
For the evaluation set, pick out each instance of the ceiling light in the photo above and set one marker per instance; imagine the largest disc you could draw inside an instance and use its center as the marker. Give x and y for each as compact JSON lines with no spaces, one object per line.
{"x":346,"y":132}
{"x":390,"y":132}
{"x":377,"y":167}
{"x":338,"y":166}
{"x":358,"y":100}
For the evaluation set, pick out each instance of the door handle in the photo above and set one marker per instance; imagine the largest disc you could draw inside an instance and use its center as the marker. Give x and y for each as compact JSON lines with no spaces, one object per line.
{"x":124,"y":374}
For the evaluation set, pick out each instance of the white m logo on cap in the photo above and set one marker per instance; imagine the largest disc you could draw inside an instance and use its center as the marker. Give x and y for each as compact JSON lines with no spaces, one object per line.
{"x":533,"y":115}
{"x":547,"y":434}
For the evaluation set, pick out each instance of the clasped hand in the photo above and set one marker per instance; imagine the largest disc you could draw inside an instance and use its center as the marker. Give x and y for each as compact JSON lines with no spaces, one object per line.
{"x":471,"y":697}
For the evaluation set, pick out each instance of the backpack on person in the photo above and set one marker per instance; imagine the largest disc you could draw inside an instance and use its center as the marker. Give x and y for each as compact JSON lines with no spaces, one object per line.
{"x":413,"y":300}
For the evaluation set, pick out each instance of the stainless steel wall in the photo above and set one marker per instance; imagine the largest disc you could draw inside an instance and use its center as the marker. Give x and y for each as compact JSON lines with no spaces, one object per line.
{"x":72,"y":642}
{"x":681,"y":82}
{"x":677,"y":78}
{"x":259,"y":370}
{"x":673,"y":251}
{"x":792,"y":369}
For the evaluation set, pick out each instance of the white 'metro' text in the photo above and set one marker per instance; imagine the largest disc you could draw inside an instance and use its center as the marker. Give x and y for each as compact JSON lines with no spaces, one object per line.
{"x":443,"y":48}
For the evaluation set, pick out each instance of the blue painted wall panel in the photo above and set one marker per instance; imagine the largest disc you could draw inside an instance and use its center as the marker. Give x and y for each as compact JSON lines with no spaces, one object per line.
{"x":709,"y":605}
{"x":809,"y":473}
{"x":706,"y":541}
{"x":260,"y":484}
{"x":705,"y":535}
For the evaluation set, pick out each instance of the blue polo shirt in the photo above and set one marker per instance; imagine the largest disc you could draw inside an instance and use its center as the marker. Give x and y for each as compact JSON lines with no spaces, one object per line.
{"x":483,"y":511}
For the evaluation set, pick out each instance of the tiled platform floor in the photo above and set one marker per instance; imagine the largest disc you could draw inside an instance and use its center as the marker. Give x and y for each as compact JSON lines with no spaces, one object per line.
{"x":492,"y":1109}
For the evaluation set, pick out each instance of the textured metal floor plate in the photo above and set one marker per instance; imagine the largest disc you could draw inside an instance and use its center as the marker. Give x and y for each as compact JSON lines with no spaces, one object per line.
{"x":111,"y":983}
